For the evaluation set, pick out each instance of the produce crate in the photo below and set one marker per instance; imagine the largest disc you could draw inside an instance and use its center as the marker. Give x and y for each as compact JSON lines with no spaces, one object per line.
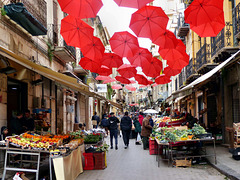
{"x":99,"y":160}
{"x":153,"y":151}
{"x":236,"y":126}
{"x":183,"y":163}
{"x":89,"y":162}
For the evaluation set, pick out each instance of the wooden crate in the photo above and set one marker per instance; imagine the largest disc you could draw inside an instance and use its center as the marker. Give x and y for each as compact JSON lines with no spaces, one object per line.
{"x":183,"y":163}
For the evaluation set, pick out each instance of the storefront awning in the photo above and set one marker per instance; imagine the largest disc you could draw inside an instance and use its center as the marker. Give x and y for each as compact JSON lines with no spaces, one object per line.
{"x":18,"y":13}
{"x":188,"y":89}
{"x":55,"y":76}
{"x":179,"y":98}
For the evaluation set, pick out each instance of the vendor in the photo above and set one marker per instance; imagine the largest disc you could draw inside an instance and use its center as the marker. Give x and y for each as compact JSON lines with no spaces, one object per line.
{"x":16,"y":124}
{"x":4,"y":133}
{"x":167,"y":112}
{"x":28,"y":121}
{"x":190,"y":121}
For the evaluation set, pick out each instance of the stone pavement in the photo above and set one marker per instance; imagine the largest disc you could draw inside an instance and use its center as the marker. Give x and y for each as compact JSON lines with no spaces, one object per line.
{"x":225,"y":163}
{"x":135,"y":163}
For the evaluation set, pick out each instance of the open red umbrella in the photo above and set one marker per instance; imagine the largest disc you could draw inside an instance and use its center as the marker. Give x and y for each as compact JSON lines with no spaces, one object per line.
{"x":76,"y":32}
{"x":132,"y":3}
{"x":132,"y":81}
{"x":149,"y":21}
{"x":127,"y":70}
{"x":117,"y":86}
{"x":89,"y":64}
{"x":203,"y":11}
{"x":168,"y":71}
{"x":142,"y":86}
{"x":111,"y":60}
{"x":93,"y":50}
{"x":130,"y":88}
{"x":167,"y":40}
{"x":103,"y":78}
{"x":124,"y":44}
{"x":172,"y":54}
{"x":109,"y":81}
{"x":210,"y":29}
{"x":179,"y":63}
{"x":162,"y":79}
{"x":150,"y":82}
{"x":152,"y":68}
{"x":155,"y":84}
{"x":141,"y":79}
{"x":81,"y":8}
{"x":142,"y":57}
{"x":122,"y":80}
{"x":104,"y":71}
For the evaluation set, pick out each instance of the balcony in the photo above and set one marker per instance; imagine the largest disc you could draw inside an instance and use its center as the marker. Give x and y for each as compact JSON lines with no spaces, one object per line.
{"x":191,"y":74}
{"x":222,"y":44}
{"x":183,"y":28}
{"x":236,"y":21}
{"x":203,"y":61}
{"x":180,"y":80}
{"x":59,"y":47}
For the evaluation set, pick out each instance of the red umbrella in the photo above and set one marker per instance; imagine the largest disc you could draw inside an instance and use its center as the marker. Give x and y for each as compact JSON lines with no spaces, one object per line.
{"x":172,"y":54}
{"x":179,"y":63}
{"x":109,"y":81}
{"x":122,"y":80}
{"x":89,"y":64}
{"x":142,"y":57}
{"x":76,"y":32}
{"x":141,"y":79}
{"x":93,"y":50}
{"x":150,"y":82}
{"x":171,"y":72}
{"x":203,"y":11}
{"x":111,"y":60}
{"x":142,"y":86}
{"x":149,"y":21}
{"x":117,"y":86}
{"x":167,"y":40}
{"x":132,"y":81}
{"x":155,"y":84}
{"x":130,"y":88}
{"x":133,"y":3}
{"x":162,"y":79}
{"x":152,"y":68}
{"x":81,"y":8}
{"x":124,"y":44}
{"x":127,"y":70}
{"x":103,"y":78}
{"x":105,"y":71}
{"x":210,"y":29}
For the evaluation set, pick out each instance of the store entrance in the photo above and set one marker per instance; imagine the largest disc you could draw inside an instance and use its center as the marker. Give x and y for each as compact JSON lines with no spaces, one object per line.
{"x":16,"y":99}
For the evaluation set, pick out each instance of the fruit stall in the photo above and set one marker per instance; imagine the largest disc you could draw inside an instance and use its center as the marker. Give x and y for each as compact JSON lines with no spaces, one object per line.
{"x":64,"y":152}
{"x":178,"y":143}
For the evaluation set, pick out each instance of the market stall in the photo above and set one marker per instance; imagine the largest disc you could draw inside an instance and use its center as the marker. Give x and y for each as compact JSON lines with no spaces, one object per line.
{"x":181,"y":143}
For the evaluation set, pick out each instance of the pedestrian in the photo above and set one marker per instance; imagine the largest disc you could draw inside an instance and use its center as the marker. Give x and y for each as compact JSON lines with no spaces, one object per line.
{"x":146,"y":131}
{"x":95,"y":120}
{"x":4,"y":133}
{"x":140,"y":118}
{"x":126,"y":127}
{"x":113,"y":128}
{"x":138,"y":130}
{"x":28,"y":121}
{"x":105,"y":123}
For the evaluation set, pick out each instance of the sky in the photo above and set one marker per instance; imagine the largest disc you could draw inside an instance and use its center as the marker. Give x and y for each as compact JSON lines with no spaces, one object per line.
{"x":117,"y":19}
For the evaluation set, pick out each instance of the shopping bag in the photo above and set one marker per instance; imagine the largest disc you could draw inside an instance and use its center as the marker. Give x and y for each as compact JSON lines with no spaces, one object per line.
{"x":17,"y":177}
{"x":138,"y":138}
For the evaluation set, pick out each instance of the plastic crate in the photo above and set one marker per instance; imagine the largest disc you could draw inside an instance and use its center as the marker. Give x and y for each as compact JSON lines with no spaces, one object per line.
{"x":89,"y":162}
{"x":152,"y":142}
{"x":99,"y":160}
{"x":153,"y":152}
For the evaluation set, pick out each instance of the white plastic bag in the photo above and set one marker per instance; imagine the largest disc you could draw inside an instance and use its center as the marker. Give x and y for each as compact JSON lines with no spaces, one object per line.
{"x":138,"y":138}
{"x":17,"y":177}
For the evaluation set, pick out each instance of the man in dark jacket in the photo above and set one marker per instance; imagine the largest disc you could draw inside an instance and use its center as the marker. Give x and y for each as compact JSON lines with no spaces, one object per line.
{"x":95,"y":120}
{"x":28,"y":121}
{"x":16,"y":124}
{"x":126,"y":127}
{"x":146,"y":131}
{"x":113,"y":128}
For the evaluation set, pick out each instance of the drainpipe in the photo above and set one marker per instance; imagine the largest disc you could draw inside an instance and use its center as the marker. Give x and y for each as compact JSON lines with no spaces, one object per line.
{"x":223,"y":105}
{"x":56,"y":109}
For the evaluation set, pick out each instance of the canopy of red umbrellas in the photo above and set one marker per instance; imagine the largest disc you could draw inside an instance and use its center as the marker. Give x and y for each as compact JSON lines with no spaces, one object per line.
{"x":206,"y":18}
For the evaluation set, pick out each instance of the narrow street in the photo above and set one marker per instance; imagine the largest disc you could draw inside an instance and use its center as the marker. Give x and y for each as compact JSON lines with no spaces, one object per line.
{"x":135,"y":163}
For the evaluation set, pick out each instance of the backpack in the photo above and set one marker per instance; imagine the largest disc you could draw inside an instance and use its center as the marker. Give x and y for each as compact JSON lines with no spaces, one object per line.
{"x":105,"y":122}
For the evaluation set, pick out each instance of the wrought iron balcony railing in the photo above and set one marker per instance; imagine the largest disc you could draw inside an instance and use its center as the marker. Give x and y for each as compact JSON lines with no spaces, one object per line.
{"x":190,"y":68}
{"x":180,"y":79}
{"x":183,"y":28}
{"x":203,"y":56}
{"x":56,"y":39}
{"x":236,"y":21}
{"x":223,"y":39}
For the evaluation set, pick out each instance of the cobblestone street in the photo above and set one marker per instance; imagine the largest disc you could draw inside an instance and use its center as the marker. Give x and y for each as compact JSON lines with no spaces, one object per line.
{"x":135,"y":163}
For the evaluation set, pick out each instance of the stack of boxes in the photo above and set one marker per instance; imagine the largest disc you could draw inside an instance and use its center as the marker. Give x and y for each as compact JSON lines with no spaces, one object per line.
{"x":94,"y":160}
{"x":152,"y":147}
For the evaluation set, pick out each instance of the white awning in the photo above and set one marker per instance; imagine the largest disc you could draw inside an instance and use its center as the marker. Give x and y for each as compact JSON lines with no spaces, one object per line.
{"x":205,"y":76}
{"x":179,"y":98}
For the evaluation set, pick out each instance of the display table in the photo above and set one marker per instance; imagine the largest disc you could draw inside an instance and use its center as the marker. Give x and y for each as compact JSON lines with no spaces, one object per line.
{"x":169,"y":149}
{"x":70,"y":166}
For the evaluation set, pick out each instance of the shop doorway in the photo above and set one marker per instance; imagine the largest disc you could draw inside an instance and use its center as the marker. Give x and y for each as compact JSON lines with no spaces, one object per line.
{"x":211,"y":110}
{"x":17,"y":100}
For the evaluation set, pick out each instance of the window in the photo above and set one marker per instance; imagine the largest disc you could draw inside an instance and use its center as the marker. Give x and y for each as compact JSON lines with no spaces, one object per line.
{"x":235,"y":103}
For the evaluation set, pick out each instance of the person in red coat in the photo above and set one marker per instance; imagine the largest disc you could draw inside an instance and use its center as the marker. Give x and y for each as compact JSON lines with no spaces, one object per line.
{"x":140,"y":118}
